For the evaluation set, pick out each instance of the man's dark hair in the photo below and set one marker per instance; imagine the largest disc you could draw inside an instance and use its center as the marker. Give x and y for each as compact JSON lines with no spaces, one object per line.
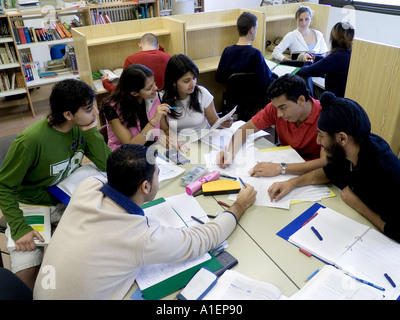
{"x":290,"y":85}
{"x":69,"y":95}
{"x":129,"y":166}
{"x":245,"y":22}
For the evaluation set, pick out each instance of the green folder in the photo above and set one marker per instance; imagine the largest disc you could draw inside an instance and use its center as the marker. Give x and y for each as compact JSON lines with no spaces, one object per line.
{"x":179,"y":280}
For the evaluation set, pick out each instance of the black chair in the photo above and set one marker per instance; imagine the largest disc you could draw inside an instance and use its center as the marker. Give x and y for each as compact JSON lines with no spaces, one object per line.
{"x":245,"y":91}
{"x":12,"y":287}
{"x":5,"y":143}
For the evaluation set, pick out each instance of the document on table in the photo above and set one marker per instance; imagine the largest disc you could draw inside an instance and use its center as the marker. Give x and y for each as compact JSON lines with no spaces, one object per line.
{"x":176,"y":212}
{"x":233,"y":285}
{"x":219,"y":139}
{"x":152,"y":274}
{"x":248,"y":156}
{"x":167,"y":170}
{"x":281,"y":69}
{"x":204,"y":132}
{"x":331,"y":283}
{"x":262,"y":184}
{"x":352,"y":247}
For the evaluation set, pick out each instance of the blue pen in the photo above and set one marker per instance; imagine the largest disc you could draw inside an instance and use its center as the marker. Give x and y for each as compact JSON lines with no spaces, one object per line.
{"x":173,"y":108}
{"x":366,"y":282}
{"x":316,"y":233}
{"x":312,"y":275}
{"x":226,"y":176}
{"x":390,"y":280}
{"x":242,"y":182}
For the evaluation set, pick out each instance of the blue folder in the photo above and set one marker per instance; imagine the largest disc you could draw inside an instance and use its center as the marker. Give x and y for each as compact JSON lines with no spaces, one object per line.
{"x":297,"y":223}
{"x":59,"y":194}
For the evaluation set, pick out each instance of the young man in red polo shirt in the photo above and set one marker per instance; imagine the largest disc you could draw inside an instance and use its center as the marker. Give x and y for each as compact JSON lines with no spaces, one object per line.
{"x":294,"y":114}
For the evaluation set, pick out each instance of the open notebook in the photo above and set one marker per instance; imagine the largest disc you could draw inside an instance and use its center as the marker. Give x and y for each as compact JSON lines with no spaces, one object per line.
{"x":349,"y":245}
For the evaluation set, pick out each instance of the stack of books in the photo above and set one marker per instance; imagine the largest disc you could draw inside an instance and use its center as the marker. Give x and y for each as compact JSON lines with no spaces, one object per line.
{"x":28,"y":5}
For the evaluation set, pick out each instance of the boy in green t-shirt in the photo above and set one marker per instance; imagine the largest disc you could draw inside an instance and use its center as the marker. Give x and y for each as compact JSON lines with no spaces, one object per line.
{"x":43,"y":155}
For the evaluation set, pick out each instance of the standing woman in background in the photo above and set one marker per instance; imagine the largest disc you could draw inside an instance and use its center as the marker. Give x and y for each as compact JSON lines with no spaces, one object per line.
{"x":303,"y":39}
{"x":195,"y":104}
{"x":335,"y":66}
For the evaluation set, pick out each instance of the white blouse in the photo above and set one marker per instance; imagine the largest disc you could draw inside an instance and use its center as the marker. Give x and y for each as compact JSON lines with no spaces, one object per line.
{"x":190,"y":120}
{"x":294,"y":40}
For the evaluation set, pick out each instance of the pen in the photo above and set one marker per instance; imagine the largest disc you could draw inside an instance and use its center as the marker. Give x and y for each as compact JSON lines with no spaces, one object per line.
{"x":223,"y":204}
{"x":312,"y":275}
{"x":315,"y":214}
{"x":305,"y":252}
{"x":226,"y":176}
{"x":366,"y":282}
{"x":242,"y":182}
{"x":197,"y":219}
{"x":390,"y":280}
{"x":173,"y":108}
{"x":316,"y":233}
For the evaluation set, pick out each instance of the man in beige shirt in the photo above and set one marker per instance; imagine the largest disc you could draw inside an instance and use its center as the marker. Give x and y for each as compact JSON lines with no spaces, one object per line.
{"x":104,"y":238}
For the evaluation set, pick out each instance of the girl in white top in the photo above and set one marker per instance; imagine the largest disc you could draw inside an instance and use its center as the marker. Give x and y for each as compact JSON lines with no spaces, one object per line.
{"x":195,"y":104}
{"x":303,"y":39}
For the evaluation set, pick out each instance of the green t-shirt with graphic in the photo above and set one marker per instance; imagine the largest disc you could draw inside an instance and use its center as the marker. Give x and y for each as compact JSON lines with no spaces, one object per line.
{"x":41,"y":157}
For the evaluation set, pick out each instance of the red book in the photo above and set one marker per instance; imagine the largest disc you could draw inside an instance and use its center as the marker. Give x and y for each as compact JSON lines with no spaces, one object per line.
{"x":21,"y":34}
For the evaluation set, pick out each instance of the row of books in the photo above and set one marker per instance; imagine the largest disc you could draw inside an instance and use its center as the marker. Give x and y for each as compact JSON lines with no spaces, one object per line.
{"x":30,"y":35}
{"x":109,"y":15}
{"x":4,"y":31}
{"x":119,"y":1}
{"x":165,"y":5}
{"x":11,"y":81}
{"x":31,"y":71}
{"x":7,"y":54}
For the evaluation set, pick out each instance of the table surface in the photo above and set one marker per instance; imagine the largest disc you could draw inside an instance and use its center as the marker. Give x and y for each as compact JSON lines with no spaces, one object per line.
{"x":262,"y":255}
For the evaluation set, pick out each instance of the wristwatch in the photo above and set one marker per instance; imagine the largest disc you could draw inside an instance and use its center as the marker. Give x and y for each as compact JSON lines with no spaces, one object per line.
{"x":284,"y":167}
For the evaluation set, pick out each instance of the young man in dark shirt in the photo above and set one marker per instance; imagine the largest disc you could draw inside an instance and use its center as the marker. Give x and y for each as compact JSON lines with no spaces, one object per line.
{"x":359,"y":162}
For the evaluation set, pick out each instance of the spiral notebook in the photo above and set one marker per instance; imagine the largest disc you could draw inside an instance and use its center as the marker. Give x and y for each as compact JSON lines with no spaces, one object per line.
{"x":347,"y":244}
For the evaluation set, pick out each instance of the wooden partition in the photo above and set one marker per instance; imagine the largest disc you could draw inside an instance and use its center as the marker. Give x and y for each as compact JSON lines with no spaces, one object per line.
{"x":207,"y":34}
{"x":374,"y":82}
{"x":201,"y":36}
{"x":107,"y":46}
{"x":280,"y":19}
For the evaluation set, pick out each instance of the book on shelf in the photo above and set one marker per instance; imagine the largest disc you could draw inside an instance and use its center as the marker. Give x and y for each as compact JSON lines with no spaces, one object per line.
{"x":28,"y":6}
{"x":10,"y":80}
{"x":71,"y":59}
{"x":38,"y":217}
{"x":4,"y":30}
{"x":55,"y":64}
{"x":31,"y":71}
{"x":7,"y":54}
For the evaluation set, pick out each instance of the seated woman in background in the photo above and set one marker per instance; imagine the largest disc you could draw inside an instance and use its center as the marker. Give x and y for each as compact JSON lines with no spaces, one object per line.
{"x":303,"y":39}
{"x":195,"y":104}
{"x":134,"y":113}
{"x":335,"y":66}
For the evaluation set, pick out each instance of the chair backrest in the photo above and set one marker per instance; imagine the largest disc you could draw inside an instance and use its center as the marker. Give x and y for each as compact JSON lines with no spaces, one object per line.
{"x":5,"y":143}
{"x":245,"y":91}
{"x":12,"y":287}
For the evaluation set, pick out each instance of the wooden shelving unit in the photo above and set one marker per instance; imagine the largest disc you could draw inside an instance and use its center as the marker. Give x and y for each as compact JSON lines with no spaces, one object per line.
{"x":96,"y":43}
{"x":107,"y":46}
